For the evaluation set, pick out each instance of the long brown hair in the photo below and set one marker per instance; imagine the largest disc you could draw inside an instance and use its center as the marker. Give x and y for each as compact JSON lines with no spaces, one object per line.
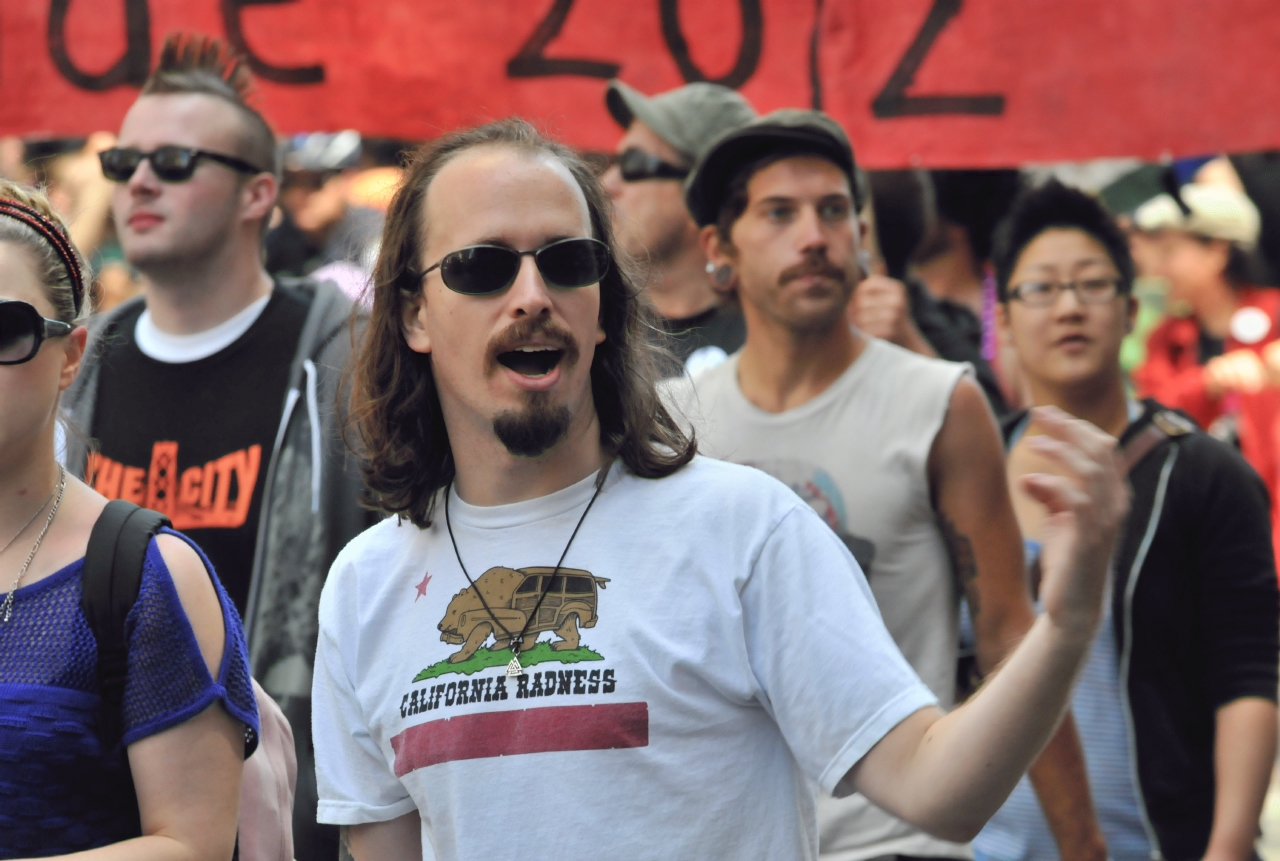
{"x":395,"y":409}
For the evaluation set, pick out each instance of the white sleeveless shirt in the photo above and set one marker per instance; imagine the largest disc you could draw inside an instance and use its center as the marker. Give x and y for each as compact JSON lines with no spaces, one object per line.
{"x":858,"y":453}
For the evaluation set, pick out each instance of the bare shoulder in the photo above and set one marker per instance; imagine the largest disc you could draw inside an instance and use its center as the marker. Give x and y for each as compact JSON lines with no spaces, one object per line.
{"x":199,"y":599}
{"x":969,"y":405}
{"x":969,"y":431}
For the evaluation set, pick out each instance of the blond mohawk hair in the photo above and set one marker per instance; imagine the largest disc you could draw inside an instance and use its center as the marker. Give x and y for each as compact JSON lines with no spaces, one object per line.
{"x":206,"y":65}
{"x":190,"y":53}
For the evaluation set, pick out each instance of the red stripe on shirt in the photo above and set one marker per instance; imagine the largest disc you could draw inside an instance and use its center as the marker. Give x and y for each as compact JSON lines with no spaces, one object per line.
{"x":505,"y":733}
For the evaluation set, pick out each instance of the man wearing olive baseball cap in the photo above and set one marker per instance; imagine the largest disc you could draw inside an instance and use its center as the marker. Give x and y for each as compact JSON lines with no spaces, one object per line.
{"x":664,"y":135}
{"x":898,"y":452}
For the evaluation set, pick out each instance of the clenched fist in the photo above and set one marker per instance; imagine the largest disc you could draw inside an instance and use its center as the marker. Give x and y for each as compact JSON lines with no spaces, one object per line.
{"x":881,"y":308}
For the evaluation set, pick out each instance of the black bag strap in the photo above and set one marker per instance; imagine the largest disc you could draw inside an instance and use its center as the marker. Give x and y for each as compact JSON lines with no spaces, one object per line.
{"x":109,"y":589}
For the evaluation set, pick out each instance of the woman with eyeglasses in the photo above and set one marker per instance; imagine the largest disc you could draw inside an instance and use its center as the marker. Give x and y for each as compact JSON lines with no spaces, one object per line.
{"x":169,"y":788}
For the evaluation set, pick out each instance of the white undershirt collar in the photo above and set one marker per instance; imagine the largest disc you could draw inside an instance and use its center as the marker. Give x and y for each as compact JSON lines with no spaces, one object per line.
{"x":179,"y":349}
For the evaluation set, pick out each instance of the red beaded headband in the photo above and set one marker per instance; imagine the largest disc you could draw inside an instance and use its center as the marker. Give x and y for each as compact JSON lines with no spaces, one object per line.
{"x":54,"y":235}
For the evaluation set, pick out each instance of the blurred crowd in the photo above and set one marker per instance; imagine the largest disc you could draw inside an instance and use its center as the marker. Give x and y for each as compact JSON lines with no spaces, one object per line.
{"x":1143,"y":299}
{"x":1204,"y":233}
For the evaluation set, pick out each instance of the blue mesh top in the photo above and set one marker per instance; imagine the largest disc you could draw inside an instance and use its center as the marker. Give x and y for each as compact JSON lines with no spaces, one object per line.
{"x":59,"y":790}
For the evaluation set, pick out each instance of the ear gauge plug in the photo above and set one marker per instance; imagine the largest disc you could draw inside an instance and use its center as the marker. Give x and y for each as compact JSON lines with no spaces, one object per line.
{"x":722,"y":276}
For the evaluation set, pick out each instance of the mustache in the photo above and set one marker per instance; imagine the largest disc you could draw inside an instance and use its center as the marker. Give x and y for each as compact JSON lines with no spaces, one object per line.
{"x":814,"y":266}
{"x":523,"y":331}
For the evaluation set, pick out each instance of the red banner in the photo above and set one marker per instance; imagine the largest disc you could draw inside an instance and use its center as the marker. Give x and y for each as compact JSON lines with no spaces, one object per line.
{"x":929,"y":82}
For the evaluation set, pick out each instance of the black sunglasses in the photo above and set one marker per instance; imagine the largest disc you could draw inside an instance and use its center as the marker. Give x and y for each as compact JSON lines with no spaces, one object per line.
{"x":169,"y":163}
{"x":23,"y":330}
{"x":478,"y":270}
{"x":637,"y":165}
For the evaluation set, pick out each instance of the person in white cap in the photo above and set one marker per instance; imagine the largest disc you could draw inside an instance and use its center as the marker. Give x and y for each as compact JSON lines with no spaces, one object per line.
{"x":1221,"y":363}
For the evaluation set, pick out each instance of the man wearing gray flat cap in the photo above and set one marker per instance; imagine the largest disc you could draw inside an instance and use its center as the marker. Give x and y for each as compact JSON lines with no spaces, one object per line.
{"x":664,"y":135}
{"x":898,"y":452}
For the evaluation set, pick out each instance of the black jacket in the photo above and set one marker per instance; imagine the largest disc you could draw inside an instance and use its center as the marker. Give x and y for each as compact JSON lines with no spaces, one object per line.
{"x":1197,"y":618}
{"x":955,"y":335}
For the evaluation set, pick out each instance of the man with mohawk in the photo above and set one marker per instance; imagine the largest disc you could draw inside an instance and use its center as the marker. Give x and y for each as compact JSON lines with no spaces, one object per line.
{"x":212,"y":397}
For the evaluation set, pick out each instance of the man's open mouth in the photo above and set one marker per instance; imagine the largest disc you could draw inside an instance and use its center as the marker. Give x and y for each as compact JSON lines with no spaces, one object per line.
{"x":531,"y":361}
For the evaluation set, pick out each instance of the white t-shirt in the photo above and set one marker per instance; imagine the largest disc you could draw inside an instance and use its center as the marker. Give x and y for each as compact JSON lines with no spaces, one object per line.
{"x":180,"y":349}
{"x":858,"y":453}
{"x":729,"y":649}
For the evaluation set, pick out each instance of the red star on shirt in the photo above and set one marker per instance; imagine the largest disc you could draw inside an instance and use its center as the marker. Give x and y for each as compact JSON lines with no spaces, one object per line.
{"x":422,"y":587}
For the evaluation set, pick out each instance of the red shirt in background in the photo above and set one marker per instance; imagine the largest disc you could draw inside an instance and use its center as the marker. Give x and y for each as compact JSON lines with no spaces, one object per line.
{"x":1173,"y":375}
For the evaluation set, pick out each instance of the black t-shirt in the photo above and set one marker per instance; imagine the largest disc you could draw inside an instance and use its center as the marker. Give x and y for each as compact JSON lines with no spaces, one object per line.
{"x":719,"y":327}
{"x":955,"y":333}
{"x":193,"y":440}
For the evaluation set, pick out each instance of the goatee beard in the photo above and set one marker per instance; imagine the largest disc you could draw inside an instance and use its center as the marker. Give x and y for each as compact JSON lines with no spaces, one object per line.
{"x":529,"y":433}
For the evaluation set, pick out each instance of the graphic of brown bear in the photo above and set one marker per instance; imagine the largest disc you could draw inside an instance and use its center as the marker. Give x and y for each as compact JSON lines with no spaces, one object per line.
{"x":512,"y":594}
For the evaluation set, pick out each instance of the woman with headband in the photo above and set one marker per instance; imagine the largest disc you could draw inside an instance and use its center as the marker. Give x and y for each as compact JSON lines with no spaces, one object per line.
{"x":169,"y":786}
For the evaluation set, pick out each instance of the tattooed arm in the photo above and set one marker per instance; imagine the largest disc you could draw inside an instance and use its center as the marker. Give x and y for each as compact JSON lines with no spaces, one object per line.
{"x":397,"y":840}
{"x":975,"y":515}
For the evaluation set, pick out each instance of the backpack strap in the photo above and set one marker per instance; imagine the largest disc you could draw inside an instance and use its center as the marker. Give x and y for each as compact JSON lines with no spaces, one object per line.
{"x":108,"y":591}
{"x":1165,"y":424}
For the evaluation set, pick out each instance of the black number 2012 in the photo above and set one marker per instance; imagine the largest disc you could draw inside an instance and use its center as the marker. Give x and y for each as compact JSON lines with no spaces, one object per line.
{"x":893,"y":100}
{"x":530,"y":62}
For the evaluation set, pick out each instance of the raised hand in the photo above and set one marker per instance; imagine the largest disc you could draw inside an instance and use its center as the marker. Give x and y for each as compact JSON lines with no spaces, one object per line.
{"x":881,"y":308}
{"x":1087,"y":501}
{"x":1238,"y":371}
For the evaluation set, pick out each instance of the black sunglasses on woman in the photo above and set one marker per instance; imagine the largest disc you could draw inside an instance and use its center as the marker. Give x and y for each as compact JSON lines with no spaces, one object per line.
{"x":23,"y":329}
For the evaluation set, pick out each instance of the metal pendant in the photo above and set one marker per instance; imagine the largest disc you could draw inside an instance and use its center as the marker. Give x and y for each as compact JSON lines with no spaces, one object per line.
{"x":514,"y":668}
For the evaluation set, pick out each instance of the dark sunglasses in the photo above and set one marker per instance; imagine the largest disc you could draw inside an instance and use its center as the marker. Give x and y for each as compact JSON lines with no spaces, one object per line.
{"x":636,"y":165}
{"x":23,"y":330}
{"x":478,"y":270}
{"x":169,"y":163}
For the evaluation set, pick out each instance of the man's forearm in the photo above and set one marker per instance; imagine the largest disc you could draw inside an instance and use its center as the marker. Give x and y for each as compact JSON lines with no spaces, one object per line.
{"x":948,"y":774}
{"x":1060,"y":775}
{"x":1062,"y":787}
{"x":1244,"y":749}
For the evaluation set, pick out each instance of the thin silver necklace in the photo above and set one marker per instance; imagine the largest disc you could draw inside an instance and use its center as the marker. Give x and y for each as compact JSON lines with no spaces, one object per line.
{"x":30,"y":520}
{"x":6,"y":608}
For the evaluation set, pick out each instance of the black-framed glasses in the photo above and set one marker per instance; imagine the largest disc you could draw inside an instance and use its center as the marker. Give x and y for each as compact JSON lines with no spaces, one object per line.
{"x":23,"y":329}
{"x":1042,"y":294}
{"x":478,"y":270}
{"x":636,"y":165}
{"x":169,"y":163}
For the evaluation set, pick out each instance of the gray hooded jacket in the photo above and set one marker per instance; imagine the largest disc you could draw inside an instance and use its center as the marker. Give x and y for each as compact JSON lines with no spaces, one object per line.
{"x":310,"y":511}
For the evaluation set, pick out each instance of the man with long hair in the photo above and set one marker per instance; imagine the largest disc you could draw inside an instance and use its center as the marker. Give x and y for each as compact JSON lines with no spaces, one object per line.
{"x":576,"y":639}
{"x":212,"y":396}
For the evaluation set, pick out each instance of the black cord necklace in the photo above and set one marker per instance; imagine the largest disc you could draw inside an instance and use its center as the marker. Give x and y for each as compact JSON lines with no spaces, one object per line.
{"x":516,"y":640}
